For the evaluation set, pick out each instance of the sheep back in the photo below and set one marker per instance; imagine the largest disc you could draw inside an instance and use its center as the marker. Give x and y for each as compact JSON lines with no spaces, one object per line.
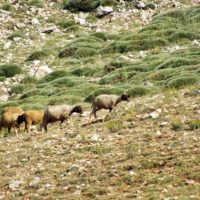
{"x":13,"y":110}
{"x":57,"y":113}
{"x":9,"y":119}
{"x":105,"y":101}
{"x":36,"y":116}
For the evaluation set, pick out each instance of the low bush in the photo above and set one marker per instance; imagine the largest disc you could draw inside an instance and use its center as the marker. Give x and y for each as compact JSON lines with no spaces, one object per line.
{"x":108,"y":2}
{"x":30,"y":93}
{"x":6,"y":7}
{"x":100,"y":35}
{"x":85,"y":52}
{"x":66,"y":24}
{"x":176,"y":126}
{"x":182,"y":81}
{"x":137,"y":91}
{"x":81,"y":5}
{"x":84,"y":71}
{"x":38,"y":55}
{"x":194,"y":125}
{"x":36,"y":3}
{"x":17,"y":89}
{"x":29,"y":80}
{"x":53,"y":75}
{"x":16,"y":34}
{"x":74,"y":28}
{"x":69,"y":51}
{"x":10,"y":69}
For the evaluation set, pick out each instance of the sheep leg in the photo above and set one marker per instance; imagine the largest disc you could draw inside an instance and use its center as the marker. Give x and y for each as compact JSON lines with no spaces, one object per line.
{"x":15,"y":130}
{"x":9,"y":128}
{"x":92,"y":112}
{"x":45,"y":128}
{"x":29,"y":126}
{"x":62,"y":120}
{"x":105,"y":118}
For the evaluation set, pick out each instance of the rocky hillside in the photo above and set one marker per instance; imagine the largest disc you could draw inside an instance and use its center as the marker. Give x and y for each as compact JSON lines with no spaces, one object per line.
{"x":56,"y":52}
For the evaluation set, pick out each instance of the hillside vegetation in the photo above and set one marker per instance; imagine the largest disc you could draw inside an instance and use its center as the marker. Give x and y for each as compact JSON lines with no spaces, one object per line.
{"x":152,"y":54}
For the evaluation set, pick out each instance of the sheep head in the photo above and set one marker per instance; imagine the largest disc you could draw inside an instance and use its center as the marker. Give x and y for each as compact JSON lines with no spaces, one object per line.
{"x":77,"y":109}
{"x":125,"y":97}
{"x":21,"y":118}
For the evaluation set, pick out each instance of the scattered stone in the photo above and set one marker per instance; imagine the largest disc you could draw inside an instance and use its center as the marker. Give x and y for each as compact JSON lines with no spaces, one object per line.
{"x":20,"y":25}
{"x":154,"y":115}
{"x":7,"y":45}
{"x":94,"y":138}
{"x":101,"y":11}
{"x":35,"y":21}
{"x":15,"y":185}
{"x":42,"y":71}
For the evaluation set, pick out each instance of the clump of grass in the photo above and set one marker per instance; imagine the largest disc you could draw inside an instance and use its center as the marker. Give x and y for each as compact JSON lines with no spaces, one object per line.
{"x":108,"y":2}
{"x":140,"y":91}
{"x":30,"y":93}
{"x":69,"y":51}
{"x":114,"y":90}
{"x":114,"y":126}
{"x":36,"y":3}
{"x":182,"y":81}
{"x":38,"y":55}
{"x":66,"y":24}
{"x":149,"y":6}
{"x":91,"y":19}
{"x":28,"y":80}
{"x":84,"y":71}
{"x":176,"y":125}
{"x":194,"y":125}
{"x":53,"y":75}
{"x":16,"y":34}
{"x":65,"y":99}
{"x":113,"y":65}
{"x":10,"y":70}
{"x":177,"y":62}
{"x":85,"y":52}
{"x":18,"y":89}
{"x":84,"y":5}
{"x":74,"y":28}
{"x":100,"y":35}
{"x":6,"y":7}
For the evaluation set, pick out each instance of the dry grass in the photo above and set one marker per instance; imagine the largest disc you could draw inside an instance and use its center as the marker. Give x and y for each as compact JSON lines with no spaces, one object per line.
{"x":134,"y":157}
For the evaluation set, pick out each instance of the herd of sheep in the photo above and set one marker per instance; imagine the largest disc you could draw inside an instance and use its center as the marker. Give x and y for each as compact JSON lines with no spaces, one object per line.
{"x":12,"y":117}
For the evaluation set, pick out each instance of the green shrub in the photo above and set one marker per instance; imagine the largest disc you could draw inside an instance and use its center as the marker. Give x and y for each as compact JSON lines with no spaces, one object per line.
{"x":85,"y":52}
{"x":16,"y":34}
{"x":69,"y":51}
{"x":181,"y":81}
{"x":53,"y":75}
{"x":97,"y":92}
{"x":113,"y":65}
{"x":6,"y":7}
{"x":81,"y":5}
{"x":91,"y":19}
{"x":36,"y":3}
{"x":84,"y":71}
{"x":66,"y":24}
{"x":10,"y":69}
{"x":72,"y":29}
{"x":163,"y":74}
{"x":100,"y":35}
{"x":149,"y":5}
{"x":2,"y":78}
{"x":30,"y":93}
{"x":176,"y":126}
{"x":29,"y":80}
{"x":108,"y":2}
{"x":38,"y":55}
{"x":18,"y":89}
{"x":139,"y":91}
{"x":68,"y":99}
{"x":177,"y":62}
{"x":180,"y":35}
{"x":194,"y":125}
{"x":66,"y":82}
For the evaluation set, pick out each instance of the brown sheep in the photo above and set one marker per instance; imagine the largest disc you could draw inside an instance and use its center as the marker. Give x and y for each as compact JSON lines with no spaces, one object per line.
{"x":31,"y":117}
{"x":13,"y":110}
{"x":59,"y":113}
{"x":9,"y":120}
{"x":108,"y":102}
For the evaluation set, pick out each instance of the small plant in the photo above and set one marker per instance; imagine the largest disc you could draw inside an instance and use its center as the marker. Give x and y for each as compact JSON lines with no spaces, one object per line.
{"x":6,"y":7}
{"x":29,"y":80}
{"x":66,"y":24}
{"x":10,"y":69}
{"x":194,"y":125}
{"x":85,"y":52}
{"x":176,"y":126}
{"x":38,"y":55}
{"x":16,"y":34}
{"x":36,"y":3}
{"x":17,"y":89}
{"x":114,"y":126}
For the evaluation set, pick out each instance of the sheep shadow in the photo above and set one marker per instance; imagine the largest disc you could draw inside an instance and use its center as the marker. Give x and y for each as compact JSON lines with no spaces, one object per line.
{"x":93,"y":122}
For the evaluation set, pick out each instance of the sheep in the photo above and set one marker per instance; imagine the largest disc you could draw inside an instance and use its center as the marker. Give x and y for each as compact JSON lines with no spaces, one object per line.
{"x":9,"y":120}
{"x":31,"y":117}
{"x":108,"y":102}
{"x":59,"y":113}
{"x":13,"y":110}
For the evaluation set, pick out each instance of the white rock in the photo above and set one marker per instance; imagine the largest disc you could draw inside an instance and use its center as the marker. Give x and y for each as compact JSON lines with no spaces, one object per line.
{"x":21,"y":25}
{"x":15,"y":184}
{"x":101,"y":11}
{"x":158,"y":133}
{"x":7,"y":45}
{"x":35,"y":21}
{"x":79,"y":21}
{"x":16,"y":39}
{"x":36,"y":62}
{"x":154,"y":115}
{"x":4,"y":97}
{"x":132,"y":173}
{"x":94,"y":137}
{"x":42,"y":71}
